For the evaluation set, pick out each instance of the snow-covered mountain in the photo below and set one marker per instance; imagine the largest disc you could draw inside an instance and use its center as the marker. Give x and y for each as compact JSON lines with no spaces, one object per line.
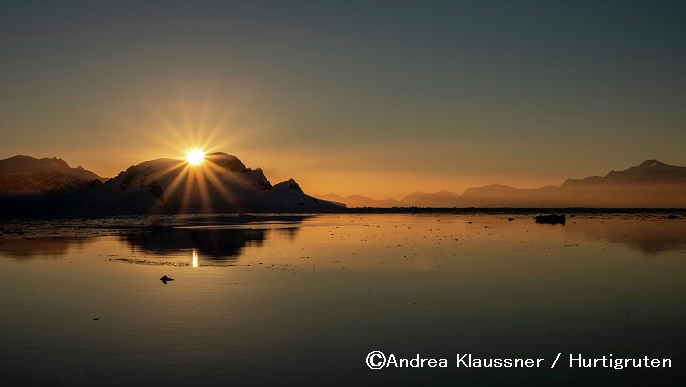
{"x":221,"y":184}
{"x":26,"y":175}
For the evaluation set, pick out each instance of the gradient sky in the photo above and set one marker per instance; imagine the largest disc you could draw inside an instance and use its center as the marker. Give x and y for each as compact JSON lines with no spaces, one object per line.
{"x":369,"y":97}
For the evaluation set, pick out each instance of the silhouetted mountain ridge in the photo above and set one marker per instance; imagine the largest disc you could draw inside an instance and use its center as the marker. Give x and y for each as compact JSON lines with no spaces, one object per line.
{"x":648,"y":172}
{"x":649,"y":184}
{"x":222,"y":183}
{"x":27,"y":175}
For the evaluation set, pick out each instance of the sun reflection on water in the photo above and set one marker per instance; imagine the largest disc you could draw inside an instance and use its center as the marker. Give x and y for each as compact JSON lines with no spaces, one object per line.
{"x":195,"y":258}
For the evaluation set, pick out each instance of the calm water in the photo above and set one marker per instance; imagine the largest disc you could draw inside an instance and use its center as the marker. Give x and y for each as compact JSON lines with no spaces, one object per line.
{"x":302,"y":301}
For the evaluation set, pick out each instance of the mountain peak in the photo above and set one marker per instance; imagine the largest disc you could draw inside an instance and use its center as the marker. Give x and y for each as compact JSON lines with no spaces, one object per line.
{"x":56,"y":161}
{"x":654,"y":166}
{"x":230,"y":162}
{"x":650,"y":164}
{"x":413,"y":195}
{"x":48,"y":175}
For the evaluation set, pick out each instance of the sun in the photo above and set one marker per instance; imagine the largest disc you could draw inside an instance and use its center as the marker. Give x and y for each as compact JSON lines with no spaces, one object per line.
{"x":195,"y":156}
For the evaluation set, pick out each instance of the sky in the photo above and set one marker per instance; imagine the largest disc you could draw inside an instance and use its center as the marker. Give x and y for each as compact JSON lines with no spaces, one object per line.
{"x":378,"y":98}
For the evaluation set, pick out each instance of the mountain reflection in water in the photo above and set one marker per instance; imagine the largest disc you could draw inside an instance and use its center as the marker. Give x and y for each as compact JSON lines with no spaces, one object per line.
{"x":52,"y":248}
{"x":649,"y":236}
{"x":225,"y":238}
{"x":215,"y":244}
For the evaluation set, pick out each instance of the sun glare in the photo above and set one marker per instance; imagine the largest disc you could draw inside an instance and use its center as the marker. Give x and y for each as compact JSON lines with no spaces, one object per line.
{"x":195,"y":156}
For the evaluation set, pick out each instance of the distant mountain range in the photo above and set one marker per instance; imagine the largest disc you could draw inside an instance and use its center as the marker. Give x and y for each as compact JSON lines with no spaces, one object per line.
{"x":222,"y":184}
{"x":651,"y":184}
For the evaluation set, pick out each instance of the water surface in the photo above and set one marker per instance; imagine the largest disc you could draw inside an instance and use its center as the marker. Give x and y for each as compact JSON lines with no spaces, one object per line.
{"x":303,"y":300}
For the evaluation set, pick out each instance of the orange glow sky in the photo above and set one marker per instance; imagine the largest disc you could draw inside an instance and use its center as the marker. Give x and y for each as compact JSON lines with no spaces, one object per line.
{"x":373,"y":98}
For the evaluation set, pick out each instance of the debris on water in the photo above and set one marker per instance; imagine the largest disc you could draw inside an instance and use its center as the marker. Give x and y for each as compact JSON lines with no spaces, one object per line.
{"x":96,"y":318}
{"x":164,"y":279}
{"x":672,"y":217}
{"x":150,"y":263}
{"x":550,"y":219}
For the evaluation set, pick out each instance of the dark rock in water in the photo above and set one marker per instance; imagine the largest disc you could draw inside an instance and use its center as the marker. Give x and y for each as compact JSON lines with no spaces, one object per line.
{"x":550,"y":219}
{"x":164,"y":279}
{"x":672,"y":217}
{"x":510,"y":219}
